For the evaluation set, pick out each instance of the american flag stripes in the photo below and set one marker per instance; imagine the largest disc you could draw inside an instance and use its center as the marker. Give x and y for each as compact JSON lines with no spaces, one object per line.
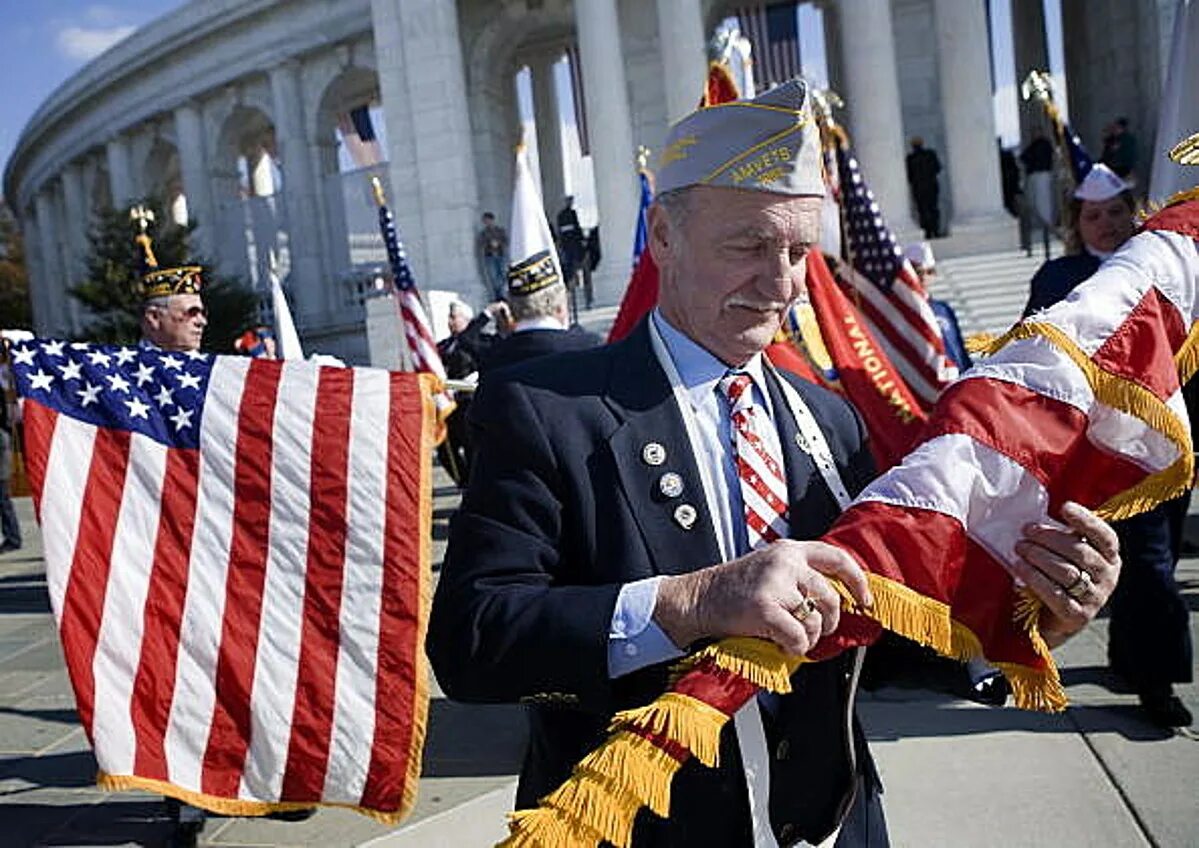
{"x":773,"y":33}
{"x":240,"y":584}
{"x":884,"y":286}
{"x":417,"y":331}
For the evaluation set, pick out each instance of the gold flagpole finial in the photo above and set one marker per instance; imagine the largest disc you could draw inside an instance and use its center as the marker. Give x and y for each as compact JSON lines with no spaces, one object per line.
{"x":643,"y":154}
{"x":1038,"y":84}
{"x":377,"y":190}
{"x":142,"y":216}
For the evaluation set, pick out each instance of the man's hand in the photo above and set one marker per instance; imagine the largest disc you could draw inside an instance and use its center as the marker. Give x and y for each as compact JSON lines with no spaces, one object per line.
{"x":762,"y":594}
{"x":1072,"y":570}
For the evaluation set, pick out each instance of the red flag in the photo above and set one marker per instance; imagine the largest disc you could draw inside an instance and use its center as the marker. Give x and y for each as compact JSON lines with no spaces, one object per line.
{"x":639,"y":298}
{"x":892,"y":415}
{"x":237,"y":554}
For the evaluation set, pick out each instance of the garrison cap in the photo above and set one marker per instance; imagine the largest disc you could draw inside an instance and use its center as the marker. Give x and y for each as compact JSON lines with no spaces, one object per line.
{"x":533,"y":274}
{"x":770,"y":143}
{"x":1100,"y":183}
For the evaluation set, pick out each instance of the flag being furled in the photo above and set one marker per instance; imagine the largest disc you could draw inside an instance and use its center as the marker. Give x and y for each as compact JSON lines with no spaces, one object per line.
{"x":240,"y":583}
{"x":286,"y":337}
{"x":1083,"y":403}
{"x":417,"y":332}
{"x":883,"y":284}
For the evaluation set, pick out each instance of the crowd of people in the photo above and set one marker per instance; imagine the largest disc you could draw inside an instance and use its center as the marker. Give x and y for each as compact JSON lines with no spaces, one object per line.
{"x":623,"y":504}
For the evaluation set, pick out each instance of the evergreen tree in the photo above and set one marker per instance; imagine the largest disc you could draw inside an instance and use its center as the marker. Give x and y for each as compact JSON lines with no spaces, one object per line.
{"x":110,"y":291}
{"x":14,"y":279}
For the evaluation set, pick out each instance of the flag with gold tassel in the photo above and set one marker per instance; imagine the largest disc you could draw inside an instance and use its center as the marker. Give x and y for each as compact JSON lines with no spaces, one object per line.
{"x":1082,"y":404}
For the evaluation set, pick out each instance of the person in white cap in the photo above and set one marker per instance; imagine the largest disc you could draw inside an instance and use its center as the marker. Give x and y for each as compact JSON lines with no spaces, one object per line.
{"x":1102,"y":219}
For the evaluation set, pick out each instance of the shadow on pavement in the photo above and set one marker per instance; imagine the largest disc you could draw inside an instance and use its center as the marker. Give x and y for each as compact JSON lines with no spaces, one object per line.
{"x":939,"y":716}
{"x":68,"y":716}
{"x":74,"y":770}
{"x":474,"y":740}
{"x":110,"y":823}
{"x":24,"y":594}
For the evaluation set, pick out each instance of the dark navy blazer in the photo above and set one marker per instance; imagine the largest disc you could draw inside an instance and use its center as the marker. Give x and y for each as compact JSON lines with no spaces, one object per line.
{"x":560,"y":512}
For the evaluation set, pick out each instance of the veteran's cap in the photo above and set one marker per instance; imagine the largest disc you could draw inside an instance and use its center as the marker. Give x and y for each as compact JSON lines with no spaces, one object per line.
{"x":770,"y":143}
{"x":533,"y":274}
{"x":153,"y":281}
{"x":1100,"y":183}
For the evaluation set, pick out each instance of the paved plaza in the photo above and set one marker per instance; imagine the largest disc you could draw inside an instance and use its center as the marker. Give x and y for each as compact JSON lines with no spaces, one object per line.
{"x":956,"y":774}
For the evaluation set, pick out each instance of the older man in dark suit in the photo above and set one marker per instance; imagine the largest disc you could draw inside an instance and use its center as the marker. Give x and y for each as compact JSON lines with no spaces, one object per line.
{"x":633,"y":501}
{"x":540,"y":317}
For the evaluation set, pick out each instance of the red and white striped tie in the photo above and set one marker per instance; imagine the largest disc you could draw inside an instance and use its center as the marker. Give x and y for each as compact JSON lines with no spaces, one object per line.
{"x":763,"y":486}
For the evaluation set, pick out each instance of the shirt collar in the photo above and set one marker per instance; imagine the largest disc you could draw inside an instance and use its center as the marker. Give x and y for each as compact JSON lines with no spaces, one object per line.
{"x":1098,"y":254}
{"x":542,"y":322}
{"x":699,"y":370}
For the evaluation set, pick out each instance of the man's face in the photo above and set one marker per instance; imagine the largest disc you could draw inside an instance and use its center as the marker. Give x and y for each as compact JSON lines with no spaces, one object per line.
{"x":457,"y":321}
{"x":179,"y":325}
{"x":732,"y":269}
{"x":1104,"y":225}
{"x":488,"y":220}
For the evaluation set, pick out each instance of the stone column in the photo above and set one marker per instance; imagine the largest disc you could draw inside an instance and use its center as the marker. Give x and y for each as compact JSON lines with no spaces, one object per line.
{"x":76,"y":223}
{"x":549,"y":129}
{"x":1031,"y":50}
{"x":197,"y":183}
{"x":120,"y":173}
{"x":684,"y":62}
{"x":32,"y":235}
{"x":53,"y":287}
{"x":299,"y":190}
{"x":607,"y":96}
{"x":971,"y":152}
{"x":423,"y":84}
{"x":872,"y":92}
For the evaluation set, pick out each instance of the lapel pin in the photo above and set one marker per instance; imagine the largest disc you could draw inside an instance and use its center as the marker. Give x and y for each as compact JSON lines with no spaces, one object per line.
{"x":685,"y":515}
{"x":801,"y":442}
{"x":670,"y":484}
{"x":653,"y":453}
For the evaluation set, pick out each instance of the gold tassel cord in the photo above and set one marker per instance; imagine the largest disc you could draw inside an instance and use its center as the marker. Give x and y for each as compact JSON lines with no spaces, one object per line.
{"x":548,"y":827}
{"x":683,"y":720}
{"x":645,"y":769}
{"x":762,"y":663}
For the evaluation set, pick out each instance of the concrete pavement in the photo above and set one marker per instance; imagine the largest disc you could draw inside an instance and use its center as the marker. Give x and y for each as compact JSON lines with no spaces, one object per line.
{"x":955,"y":773}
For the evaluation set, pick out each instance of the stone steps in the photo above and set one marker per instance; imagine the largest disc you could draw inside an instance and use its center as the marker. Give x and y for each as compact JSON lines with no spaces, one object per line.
{"x":988,"y":291}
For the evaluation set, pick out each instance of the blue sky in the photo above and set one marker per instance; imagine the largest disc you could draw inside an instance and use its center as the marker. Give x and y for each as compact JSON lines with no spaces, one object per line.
{"x":42,"y":43}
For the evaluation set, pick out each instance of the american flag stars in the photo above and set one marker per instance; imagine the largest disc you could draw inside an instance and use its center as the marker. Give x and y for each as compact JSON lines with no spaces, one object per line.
{"x":142,"y":389}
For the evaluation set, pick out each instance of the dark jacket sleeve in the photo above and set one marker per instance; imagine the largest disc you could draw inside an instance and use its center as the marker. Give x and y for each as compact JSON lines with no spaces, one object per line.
{"x":507,"y":623}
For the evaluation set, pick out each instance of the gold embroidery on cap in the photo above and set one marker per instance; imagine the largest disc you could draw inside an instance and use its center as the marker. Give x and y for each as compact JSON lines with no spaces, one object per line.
{"x":676,"y":150}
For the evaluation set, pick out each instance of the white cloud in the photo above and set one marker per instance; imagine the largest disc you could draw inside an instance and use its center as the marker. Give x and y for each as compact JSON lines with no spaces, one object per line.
{"x":83,"y":44}
{"x":100,"y":13}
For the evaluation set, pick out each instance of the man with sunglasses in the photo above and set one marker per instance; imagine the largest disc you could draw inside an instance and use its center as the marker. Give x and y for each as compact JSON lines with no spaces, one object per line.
{"x":173,"y":313}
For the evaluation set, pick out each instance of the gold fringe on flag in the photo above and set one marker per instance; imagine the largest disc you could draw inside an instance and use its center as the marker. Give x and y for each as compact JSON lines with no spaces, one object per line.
{"x":682,"y":719}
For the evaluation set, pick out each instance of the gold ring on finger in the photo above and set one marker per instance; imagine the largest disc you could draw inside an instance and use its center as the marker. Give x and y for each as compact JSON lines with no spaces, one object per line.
{"x":806,"y":607}
{"x":1081,"y":587}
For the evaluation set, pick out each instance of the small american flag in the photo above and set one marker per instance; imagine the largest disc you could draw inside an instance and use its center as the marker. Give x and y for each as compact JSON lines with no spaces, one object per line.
{"x":238,"y":581}
{"x":417,"y":332}
{"x":887,"y":290}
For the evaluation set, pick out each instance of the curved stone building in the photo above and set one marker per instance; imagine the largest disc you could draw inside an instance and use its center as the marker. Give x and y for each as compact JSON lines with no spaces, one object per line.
{"x":230,"y":110}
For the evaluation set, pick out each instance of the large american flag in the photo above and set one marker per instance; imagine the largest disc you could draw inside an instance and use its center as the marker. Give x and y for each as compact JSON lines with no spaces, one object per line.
{"x":887,"y":290}
{"x":239,"y":583}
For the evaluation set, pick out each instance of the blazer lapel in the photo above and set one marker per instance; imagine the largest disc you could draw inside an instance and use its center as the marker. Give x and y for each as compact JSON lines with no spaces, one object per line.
{"x":674,"y":522}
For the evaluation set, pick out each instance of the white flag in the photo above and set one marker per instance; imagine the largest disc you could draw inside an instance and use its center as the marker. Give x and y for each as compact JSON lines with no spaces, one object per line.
{"x":530,"y":230}
{"x":286,"y":337}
